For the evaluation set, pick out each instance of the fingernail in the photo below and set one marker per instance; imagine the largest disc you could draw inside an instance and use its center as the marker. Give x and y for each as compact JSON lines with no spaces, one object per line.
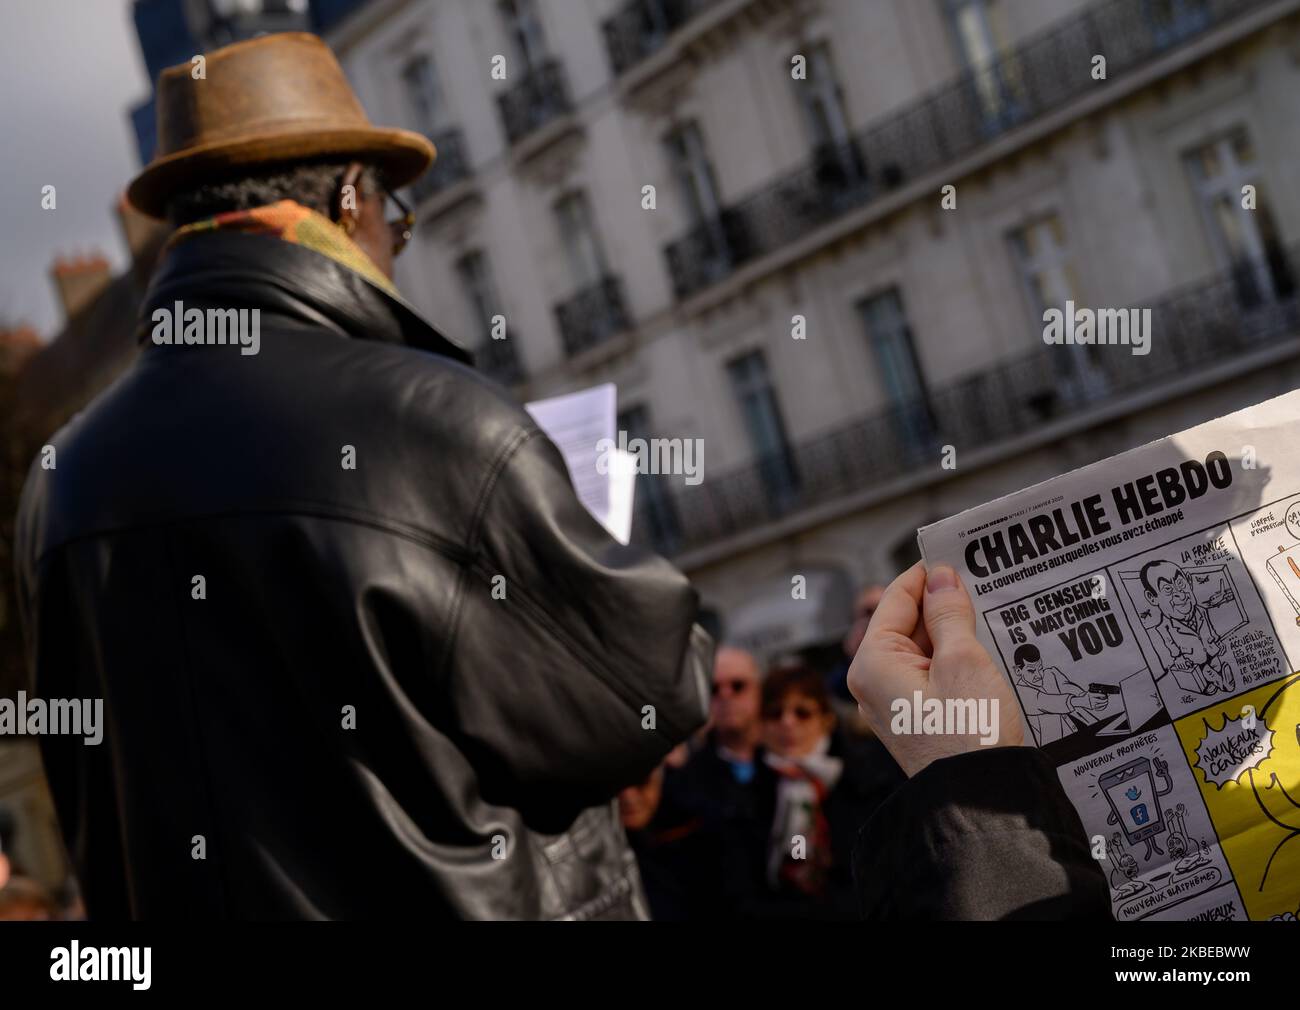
{"x":941,"y":577}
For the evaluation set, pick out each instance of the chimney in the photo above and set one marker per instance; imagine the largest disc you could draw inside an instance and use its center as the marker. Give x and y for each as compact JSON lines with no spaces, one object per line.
{"x":79,"y":280}
{"x":17,"y":344}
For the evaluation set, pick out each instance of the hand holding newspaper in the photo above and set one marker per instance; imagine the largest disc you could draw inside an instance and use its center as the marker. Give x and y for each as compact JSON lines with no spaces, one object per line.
{"x":1146,"y":610}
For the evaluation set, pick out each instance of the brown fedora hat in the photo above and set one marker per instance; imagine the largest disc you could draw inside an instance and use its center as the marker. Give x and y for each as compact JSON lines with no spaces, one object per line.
{"x":272,"y":99}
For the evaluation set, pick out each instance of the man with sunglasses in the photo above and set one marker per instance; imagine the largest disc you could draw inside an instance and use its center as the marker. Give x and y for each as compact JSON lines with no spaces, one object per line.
{"x":726,"y":786}
{"x":362,"y":651}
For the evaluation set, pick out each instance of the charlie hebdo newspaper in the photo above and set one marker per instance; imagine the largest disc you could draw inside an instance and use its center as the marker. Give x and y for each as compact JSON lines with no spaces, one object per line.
{"x":1147,"y":612}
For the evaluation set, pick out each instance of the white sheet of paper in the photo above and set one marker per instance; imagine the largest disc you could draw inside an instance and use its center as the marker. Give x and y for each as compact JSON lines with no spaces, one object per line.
{"x":576,"y":422}
{"x":622,"y":486}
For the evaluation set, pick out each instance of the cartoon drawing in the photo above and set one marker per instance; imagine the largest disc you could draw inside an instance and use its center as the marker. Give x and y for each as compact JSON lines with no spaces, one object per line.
{"x":1292,"y":830}
{"x":1135,"y":801}
{"x":1139,"y":701}
{"x":1286,"y":573}
{"x":1124,"y":870}
{"x":1055,"y":706}
{"x":1177,"y":840}
{"x":1188,"y":853}
{"x":1188,"y":614}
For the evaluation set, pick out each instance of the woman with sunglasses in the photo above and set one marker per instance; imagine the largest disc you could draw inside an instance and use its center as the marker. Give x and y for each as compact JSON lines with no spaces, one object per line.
{"x":826,"y":784}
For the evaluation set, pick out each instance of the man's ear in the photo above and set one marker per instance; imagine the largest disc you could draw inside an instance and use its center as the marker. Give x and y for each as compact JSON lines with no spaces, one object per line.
{"x":347,"y":200}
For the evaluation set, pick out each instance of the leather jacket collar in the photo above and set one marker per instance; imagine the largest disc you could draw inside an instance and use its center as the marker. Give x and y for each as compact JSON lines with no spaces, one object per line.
{"x":263,"y":272}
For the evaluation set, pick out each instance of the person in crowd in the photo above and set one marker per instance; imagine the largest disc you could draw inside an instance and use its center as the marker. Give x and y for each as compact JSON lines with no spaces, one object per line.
{"x":361,"y":647}
{"x":735,"y":728}
{"x":22,"y":899}
{"x":827,"y":783}
{"x":681,"y":863}
{"x":726,"y":785}
{"x":846,"y":707}
{"x":977,"y":832}
{"x":863,"y":609}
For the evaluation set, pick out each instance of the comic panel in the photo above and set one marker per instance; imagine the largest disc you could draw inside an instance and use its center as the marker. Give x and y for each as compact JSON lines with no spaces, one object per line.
{"x":1200,"y":623}
{"x":1245,"y":756}
{"x":1149,"y":829}
{"x":1269,"y":543}
{"x":1223,"y":904}
{"x":1081,"y":679}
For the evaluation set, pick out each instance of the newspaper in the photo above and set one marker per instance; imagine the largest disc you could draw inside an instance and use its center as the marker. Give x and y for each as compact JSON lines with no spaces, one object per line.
{"x":1146,"y":610}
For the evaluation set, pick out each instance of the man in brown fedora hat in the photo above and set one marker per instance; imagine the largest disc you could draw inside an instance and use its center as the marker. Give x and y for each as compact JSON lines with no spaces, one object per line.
{"x":361,"y":650}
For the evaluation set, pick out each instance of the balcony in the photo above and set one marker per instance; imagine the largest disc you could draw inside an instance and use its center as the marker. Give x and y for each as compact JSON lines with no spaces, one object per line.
{"x":592,"y":316}
{"x":1212,"y":324}
{"x":1045,"y":74}
{"x":498,"y":360}
{"x":451,"y":165}
{"x":641,"y":28}
{"x":542,"y":96}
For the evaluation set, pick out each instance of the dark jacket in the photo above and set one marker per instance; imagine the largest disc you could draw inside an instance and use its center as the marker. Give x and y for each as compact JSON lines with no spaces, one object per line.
{"x":413,"y":687}
{"x":868,"y":777}
{"x":681,"y":863}
{"x":734,"y":822}
{"x":985,"y":835}
{"x":737,"y":818}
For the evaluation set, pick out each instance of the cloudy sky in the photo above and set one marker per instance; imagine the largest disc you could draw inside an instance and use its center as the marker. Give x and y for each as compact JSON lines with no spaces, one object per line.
{"x":70,"y":70}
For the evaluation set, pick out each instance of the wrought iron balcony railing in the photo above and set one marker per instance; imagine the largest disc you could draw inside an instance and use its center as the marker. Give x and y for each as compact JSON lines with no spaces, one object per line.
{"x":592,"y":316}
{"x":450,"y":166}
{"x":1045,"y":73}
{"x":498,"y":359}
{"x":641,"y":27}
{"x":1203,"y":325}
{"x":543,"y":95}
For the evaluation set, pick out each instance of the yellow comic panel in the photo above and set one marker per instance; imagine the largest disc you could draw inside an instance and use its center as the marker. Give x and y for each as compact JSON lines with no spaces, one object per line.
{"x":1245,"y":754}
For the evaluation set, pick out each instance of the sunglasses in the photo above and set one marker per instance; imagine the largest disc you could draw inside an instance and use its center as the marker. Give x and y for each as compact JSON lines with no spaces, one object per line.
{"x":400,"y":228}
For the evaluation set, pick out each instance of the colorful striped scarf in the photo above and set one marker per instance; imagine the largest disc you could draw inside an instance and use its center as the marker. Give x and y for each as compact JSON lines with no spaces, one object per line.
{"x":292,"y":222}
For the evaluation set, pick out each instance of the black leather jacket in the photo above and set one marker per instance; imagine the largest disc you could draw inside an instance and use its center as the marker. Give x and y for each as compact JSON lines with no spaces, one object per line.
{"x":347,"y":713}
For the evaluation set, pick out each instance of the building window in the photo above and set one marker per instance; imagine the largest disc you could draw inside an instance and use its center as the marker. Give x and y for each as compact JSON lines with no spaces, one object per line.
{"x":658,"y":23}
{"x":756,"y":398}
{"x":697,"y":189}
{"x":890,"y":337}
{"x":420,"y":83}
{"x":494,"y":356}
{"x":524,"y":26}
{"x":1244,"y":241}
{"x":1045,"y":264}
{"x":581,"y":244}
{"x":692,"y":172}
{"x":982,"y":40}
{"x":834,"y":153}
{"x":1047,"y":272}
{"x":654,"y":505}
{"x":475,"y":278}
{"x":1172,"y":21}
